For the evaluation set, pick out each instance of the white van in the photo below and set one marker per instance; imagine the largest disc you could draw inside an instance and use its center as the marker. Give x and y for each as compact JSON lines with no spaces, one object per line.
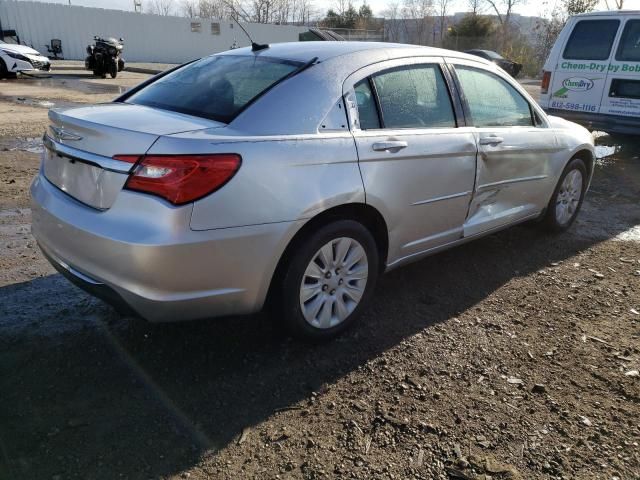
{"x":592,"y":75}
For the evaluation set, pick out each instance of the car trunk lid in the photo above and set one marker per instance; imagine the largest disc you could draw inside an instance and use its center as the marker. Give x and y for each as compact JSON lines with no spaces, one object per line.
{"x":80,"y":145}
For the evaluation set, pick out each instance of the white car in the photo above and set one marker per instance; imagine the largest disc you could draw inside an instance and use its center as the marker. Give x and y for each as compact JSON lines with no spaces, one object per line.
{"x":20,"y":58}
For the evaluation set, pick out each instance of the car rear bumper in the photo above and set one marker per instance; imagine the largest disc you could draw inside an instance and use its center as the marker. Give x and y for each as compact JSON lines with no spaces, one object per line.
{"x":598,"y":121}
{"x":140,"y":254}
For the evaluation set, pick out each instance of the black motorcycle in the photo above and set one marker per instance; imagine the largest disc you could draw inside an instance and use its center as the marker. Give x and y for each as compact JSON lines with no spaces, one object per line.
{"x":105,"y":57}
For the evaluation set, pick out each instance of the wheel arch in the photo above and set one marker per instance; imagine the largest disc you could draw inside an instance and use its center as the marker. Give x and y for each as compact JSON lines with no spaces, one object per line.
{"x":587,"y":155}
{"x":363,"y":213}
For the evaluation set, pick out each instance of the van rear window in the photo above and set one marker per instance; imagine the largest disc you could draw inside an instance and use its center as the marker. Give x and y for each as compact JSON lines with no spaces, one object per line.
{"x":591,"y":40}
{"x":217,"y":87}
{"x":629,"y":48}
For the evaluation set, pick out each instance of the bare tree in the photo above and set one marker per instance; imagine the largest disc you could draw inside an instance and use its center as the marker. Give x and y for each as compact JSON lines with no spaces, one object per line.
{"x":392,"y":22}
{"x":417,"y":20}
{"x":503,"y":10}
{"x":476,"y":7}
{"x":160,"y":7}
{"x":189,"y":8}
{"x":574,"y":7}
{"x":259,"y":11}
{"x":616,"y":3}
{"x":442,"y":10}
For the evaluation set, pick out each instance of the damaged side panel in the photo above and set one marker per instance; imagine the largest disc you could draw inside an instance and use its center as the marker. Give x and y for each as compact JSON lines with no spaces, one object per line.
{"x":284,"y":178}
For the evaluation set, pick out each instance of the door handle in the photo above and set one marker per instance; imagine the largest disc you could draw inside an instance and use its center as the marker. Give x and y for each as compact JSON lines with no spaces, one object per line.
{"x":389,"y":146}
{"x":491,"y":140}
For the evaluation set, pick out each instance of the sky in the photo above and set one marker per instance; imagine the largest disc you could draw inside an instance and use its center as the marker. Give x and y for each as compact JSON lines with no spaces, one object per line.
{"x":531,"y":7}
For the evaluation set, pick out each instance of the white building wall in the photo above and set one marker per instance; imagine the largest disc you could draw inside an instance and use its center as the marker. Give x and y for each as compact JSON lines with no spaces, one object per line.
{"x":148,"y":38}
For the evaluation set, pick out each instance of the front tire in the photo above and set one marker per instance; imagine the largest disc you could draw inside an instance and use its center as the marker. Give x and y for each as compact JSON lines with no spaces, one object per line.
{"x":113,"y":68}
{"x":3,"y":69}
{"x":327,"y":281}
{"x":567,"y":198}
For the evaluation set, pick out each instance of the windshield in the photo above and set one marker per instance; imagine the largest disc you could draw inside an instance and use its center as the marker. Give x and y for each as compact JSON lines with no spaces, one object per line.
{"x":216,"y":87}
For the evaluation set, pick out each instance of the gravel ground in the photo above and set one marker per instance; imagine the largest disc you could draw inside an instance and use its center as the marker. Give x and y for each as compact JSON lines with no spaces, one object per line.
{"x":510,"y":357}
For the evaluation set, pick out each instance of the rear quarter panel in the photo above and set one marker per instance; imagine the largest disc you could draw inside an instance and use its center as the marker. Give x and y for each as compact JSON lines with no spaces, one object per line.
{"x":281,"y":179}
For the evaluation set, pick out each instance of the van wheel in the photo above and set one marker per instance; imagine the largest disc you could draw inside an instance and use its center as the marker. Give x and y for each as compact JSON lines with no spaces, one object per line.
{"x":328,"y":281}
{"x":567,"y":198}
{"x":3,"y":69}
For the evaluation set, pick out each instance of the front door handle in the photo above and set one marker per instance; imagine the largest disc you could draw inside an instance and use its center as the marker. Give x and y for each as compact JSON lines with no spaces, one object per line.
{"x":491,"y":140}
{"x":389,"y":146}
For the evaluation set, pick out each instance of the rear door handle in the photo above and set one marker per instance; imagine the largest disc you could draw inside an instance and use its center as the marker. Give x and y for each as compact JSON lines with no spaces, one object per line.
{"x":491,"y":140}
{"x":389,"y":146}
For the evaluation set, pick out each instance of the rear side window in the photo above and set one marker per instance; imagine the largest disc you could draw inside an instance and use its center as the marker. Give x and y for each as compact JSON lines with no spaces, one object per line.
{"x":217,"y":87}
{"x":591,"y":40}
{"x":629,"y":48}
{"x":367,"y":111}
{"x":492,"y":101}
{"x":414,"y":97}
{"x":623,"y":88}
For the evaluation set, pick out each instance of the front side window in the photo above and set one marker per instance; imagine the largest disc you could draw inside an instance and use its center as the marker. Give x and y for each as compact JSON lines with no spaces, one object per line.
{"x":492,"y":101}
{"x":216,"y":87}
{"x":591,"y":40}
{"x":414,"y":97}
{"x":629,"y":48}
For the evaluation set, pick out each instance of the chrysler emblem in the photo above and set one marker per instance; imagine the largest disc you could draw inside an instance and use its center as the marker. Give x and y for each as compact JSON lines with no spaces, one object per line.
{"x":60,"y":134}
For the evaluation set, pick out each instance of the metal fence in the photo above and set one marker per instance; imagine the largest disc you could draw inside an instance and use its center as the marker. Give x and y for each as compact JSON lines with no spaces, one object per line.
{"x":148,"y":38}
{"x":352,"y":34}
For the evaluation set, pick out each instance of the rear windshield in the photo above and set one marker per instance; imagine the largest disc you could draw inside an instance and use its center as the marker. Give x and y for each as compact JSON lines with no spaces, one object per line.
{"x":217,"y":87}
{"x":591,"y":40}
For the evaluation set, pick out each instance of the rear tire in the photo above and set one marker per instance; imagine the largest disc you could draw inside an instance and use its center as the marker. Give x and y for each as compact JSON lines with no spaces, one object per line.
{"x":327,"y":281}
{"x":567,"y":198}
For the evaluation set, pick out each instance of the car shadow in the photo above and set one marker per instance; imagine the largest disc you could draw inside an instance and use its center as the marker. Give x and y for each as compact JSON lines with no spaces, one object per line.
{"x":119,"y":396}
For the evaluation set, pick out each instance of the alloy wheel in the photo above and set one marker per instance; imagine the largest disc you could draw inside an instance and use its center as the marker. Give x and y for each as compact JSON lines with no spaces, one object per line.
{"x":569,"y":196}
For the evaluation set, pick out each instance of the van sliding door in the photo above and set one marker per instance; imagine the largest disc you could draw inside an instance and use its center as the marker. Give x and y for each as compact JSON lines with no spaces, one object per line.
{"x":622,"y":87}
{"x":579,"y":78}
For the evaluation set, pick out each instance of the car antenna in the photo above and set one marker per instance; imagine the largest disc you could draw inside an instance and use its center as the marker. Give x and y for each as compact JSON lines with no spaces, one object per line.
{"x":255,"y":47}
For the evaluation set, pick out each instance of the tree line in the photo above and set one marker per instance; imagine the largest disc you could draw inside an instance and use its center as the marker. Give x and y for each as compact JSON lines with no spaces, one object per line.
{"x":488,"y":23}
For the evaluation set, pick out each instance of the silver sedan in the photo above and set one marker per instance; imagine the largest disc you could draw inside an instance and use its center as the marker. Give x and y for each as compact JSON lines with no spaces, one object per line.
{"x":294,"y":176}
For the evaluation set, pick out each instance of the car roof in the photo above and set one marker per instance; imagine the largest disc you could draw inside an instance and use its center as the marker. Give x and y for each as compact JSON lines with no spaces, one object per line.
{"x":608,"y":12}
{"x":323,"y":50}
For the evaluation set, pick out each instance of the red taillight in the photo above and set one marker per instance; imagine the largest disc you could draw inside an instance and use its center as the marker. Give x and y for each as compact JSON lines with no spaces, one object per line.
{"x":546,"y":81}
{"x":181,"y":179}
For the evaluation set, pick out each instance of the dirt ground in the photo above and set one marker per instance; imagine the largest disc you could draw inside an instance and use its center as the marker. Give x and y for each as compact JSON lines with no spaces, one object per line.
{"x":515,"y":356}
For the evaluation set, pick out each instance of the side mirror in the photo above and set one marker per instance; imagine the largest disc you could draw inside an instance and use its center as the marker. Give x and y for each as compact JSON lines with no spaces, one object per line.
{"x":121,"y":39}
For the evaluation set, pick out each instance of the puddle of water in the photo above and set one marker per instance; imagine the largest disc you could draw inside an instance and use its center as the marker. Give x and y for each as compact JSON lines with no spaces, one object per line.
{"x":604,"y":151}
{"x":45,"y":103}
{"x":15,"y":212}
{"x":31,"y":145}
{"x":631,"y":235}
{"x":74,"y":82}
